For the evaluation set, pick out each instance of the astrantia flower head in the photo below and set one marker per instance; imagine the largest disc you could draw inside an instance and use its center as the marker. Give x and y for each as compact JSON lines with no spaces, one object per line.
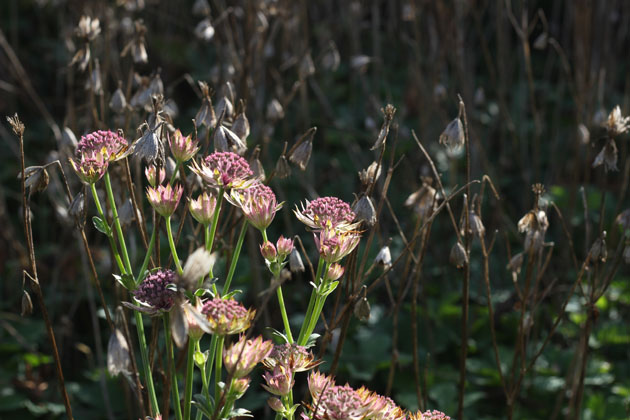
{"x":182,"y":148}
{"x":154,"y":175}
{"x":428,"y":415}
{"x":258,"y":203}
{"x":224,"y":169}
{"x":333,"y":245}
{"x":154,"y":292}
{"x":243,"y":356}
{"x":279,"y":381}
{"x":164,"y":199}
{"x":379,"y":407}
{"x":90,"y":166}
{"x":115,"y":146}
{"x":227,"y":316}
{"x":202,"y":209}
{"x":327,"y":213}
{"x":284,"y":246}
{"x":294,"y":357}
{"x":334,"y":402}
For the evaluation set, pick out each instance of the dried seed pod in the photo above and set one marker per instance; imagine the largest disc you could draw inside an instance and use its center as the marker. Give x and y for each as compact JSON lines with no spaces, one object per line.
{"x":388,"y":117}
{"x":204,"y":30}
{"x":201,"y":8}
{"x":372,"y":172}
{"x":205,"y":115}
{"x":179,"y":324}
{"x":256,"y":166}
{"x":240,"y":126}
{"x":94,"y":82}
{"x":148,"y":147}
{"x":516,"y":262}
{"x":307,"y":67}
{"x":220,"y":140}
{"x":118,"y":358}
{"x":302,"y":154}
{"x":295,"y":261}
{"x":125,"y":213}
{"x":68,"y":139}
{"x":583,"y":134}
{"x":362,"y":309}
{"x":224,"y":107}
{"x":283,"y":170}
{"x":616,"y":123}
{"x":331,"y":59}
{"x":275,"y":111}
{"x":118,"y":102}
{"x":541,"y":41}
{"x":458,"y":256}
{"x":384,"y":257}
{"x":623,"y":220}
{"x":88,"y":28}
{"x":36,"y":178}
{"x":598,"y":249}
{"x":424,"y":201}
{"x":453,"y":137}
{"x":77,"y":209}
{"x":534,"y":240}
{"x":365,"y":211}
{"x":475,"y":226}
{"x":27,"y":304}
{"x":607,"y":156}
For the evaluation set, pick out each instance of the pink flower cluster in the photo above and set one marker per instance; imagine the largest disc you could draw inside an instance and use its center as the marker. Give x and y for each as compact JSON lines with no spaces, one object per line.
{"x":227,"y":316}
{"x":327,"y":213}
{"x":223,"y":169}
{"x":258,"y":203}
{"x":153,"y":290}
{"x":164,"y":199}
{"x":182,"y":148}
{"x":112,"y":143}
{"x":334,"y":246}
{"x":243,"y":356}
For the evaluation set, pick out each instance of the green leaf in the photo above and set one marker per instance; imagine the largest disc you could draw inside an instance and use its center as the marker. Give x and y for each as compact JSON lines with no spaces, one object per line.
{"x":205,"y":406}
{"x":100,"y":225}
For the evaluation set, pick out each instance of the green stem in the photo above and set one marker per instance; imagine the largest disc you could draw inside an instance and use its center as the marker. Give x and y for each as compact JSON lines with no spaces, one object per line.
{"x":237,"y":253}
{"x":119,"y":233}
{"x":171,"y":362}
{"x":190,"y":364}
{"x":174,"y":174}
{"x":206,"y":233}
{"x":218,"y":365}
{"x":147,"y":257}
{"x":148,"y":376}
{"x":318,"y":306}
{"x":109,"y":235}
{"x":283,"y":312}
{"x":215,"y":220}
{"x":207,"y":371}
{"x":229,"y":402}
{"x":171,"y":244}
{"x":303,"y":337}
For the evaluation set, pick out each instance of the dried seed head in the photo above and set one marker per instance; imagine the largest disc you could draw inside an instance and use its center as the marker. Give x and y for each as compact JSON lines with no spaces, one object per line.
{"x":453,"y":137}
{"x":256,"y":166}
{"x":295,"y":261}
{"x":541,"y":41}
{"x":94,"y":83}
{"x":82,"y":57}
{"x":36,"y":178}
{"x":516,"y":262}
{"x":148,"y":147}
{"x":534,"y":240}
{"x":197,"y":266}
{"x":240,"y":126}
{"x":384,"y":257}
{"x":224,"y":107}
{"x":424,"y":201}
{"x":475,"y":226}
{"x":27,"y":304}
{"x":77,"y":209}
{"x":598,"y":249}
{"x":362,"y":309}
{"x":372,"y":172}
{"x":204,"y":30}
{"x":205,"y":115}
{"x":283,"y":170}
{"x":118,"y":102}
{"x":365,"y":211}
{"x":118,"y":359}
{"x":16,"y":125}
{"x":458,"y":256}
{"x":307,"y":67}
{"x":388,"y":117}
{"x":607,"y":156}
{"x":302,"y":154}
{"x":275,"y":111}
{"x":88,"y":28}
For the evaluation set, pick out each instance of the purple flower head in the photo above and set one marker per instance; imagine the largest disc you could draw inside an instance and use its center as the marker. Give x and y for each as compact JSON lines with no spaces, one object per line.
{"x":113,"y":144}
{"x":258,"y":203}
{"x":327,"y":213}
{"x":227,"y":316}
{"x":223,"y":169}
{"x":164,"y":199}
{"x":90,"y":166}
{"x":153,"y":290}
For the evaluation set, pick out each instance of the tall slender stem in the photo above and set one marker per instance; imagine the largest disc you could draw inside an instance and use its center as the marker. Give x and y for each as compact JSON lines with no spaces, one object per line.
{"x":148,"y":376}
{"x":171,"y":244}
{"x":189,"y":378}
{"x":218,"y":365}
{"x":109,"y":235}
{"x":235,"y":256}
{"x":147,"y":257}
{"x":171,"y":364}
{"x":303,"y":337}
{"x":121,"y":238}
{"x":283,"y":312}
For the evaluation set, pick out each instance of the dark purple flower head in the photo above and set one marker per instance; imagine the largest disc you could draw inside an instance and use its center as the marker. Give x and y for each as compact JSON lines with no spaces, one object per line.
{"x":153,"y":290}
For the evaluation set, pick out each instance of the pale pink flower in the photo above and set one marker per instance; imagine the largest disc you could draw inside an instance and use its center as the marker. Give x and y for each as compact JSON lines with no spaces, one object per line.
{"x":294,"y":357}
{"x":164,"y":199}
{"x":202,"y":209}
{"x":258,"y":203}
{"x":284,"y":247}
{"x":90,"y":166}
{"x":428,"y":415}
{"x":334,"y":246}
{"x":182,"y":148}
{"x":334,"y":402}
{"x":335,"y":271}
{"x":327,"y":213}
{"x":243,"y":356}
{"x":115,"y":146}
{"x":154,"y":175}
{"x":224,"y":170}
{"x":279,"y":381}
{"x":227,"y":316}
{"x":268,"y":251}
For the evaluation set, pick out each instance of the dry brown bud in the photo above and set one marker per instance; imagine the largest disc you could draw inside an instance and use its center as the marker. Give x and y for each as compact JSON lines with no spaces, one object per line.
{"x":362,"y":309}
{"x":458,"y":256}
{"x":453,"y":137}
{"x":607,"y":156}
{"x":365,"y":211}
{"x":283,"y":170}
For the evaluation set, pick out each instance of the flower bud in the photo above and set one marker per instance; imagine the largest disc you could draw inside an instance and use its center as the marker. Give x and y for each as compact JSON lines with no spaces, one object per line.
{"x":362,"y":309}
{"x":284,"y":247}
{"x":268,"y":251}
{"x":240,"y":386}
{"x":155,"y":176}
{"x":202,"y":209}
{"x":295,"y":261}
{"x":182,"y":147}
{"x":334,"y":272}
{"x":275,"y":404}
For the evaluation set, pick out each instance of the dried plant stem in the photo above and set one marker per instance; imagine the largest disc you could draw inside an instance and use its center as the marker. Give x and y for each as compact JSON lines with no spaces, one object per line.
{"x":28,"y":232}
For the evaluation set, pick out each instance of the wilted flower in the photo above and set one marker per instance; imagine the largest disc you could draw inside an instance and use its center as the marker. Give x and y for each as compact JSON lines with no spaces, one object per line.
{"x":258,"y":203}
{"x":365,"y":211}
{"x":154,"y":175}
{"x":280,"y":381}
{"x":202,"y":209}
{"x":164,"y":199}
{"x":327,"y":213}
{"x":607,"y":156}
{"x":36,"y":178}
{"x":268,"y":251}
{"x":458,"y":256}
{"x":224,"y":170}
{"x":292,"y":356}
{"x":295,"y":261}
{"x":154,"y":291}
{"x":91,"y":165}
{"x":284,"y":246}
{"x":333,"y":245}
{"x":372,"y":172}
{"x":110,"y":144}
{"x":241,"y":357}
{"x":182,"y":148}
{"x":335,"y":271}
{"x":616,"y":123}
{"x":533,"y":220}
{"x":453,"y":136}
{"x":424,"y":201}
{"x":227,"y":316}
{"x":475,"y":226}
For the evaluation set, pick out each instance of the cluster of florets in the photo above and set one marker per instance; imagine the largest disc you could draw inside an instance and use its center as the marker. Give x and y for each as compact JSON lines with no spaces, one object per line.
{"x":293,"y":356}
{"x":258,"y":203}
{"x":327,"y":213}
{"x":182,"y":147}
{"x":223,"y":169}
{"x":227,"y":316}
{"x":164,"y":199}
{"x":90,"y":166}
{"x":243,"y":356}
{"x":110,"y":143}
{"x":428,"y":415}
{"x":154,"y":290}
{"x":335,"y":245}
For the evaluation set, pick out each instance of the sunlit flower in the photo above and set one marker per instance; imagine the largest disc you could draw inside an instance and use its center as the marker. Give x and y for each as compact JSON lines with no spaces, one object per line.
{"x":294,"y":357}
{"x":227,"y":316}
{"x":284,"y":246}
{"x":268,"y":251}
{"x":182,"y":148}
{"x":334,"y":402}
{"x":616,"y":123}
{"x":164,"y":199}
{"x":224,"y":169}
{"x":335,"y":271}
{"x":241,"y":357}
{"x":90,"y":166}
{"x":115,"y":146}
{"x":154,"y":175}
{"x":428,"y":415}
{"x":326,"y":213}
{"x":202,"y":209}
{"x":154,"y":291}
{"x":379,"y":407}
{"x":258,"y":203}
{"x":279,"y":381}
{"x":334,"y":246}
